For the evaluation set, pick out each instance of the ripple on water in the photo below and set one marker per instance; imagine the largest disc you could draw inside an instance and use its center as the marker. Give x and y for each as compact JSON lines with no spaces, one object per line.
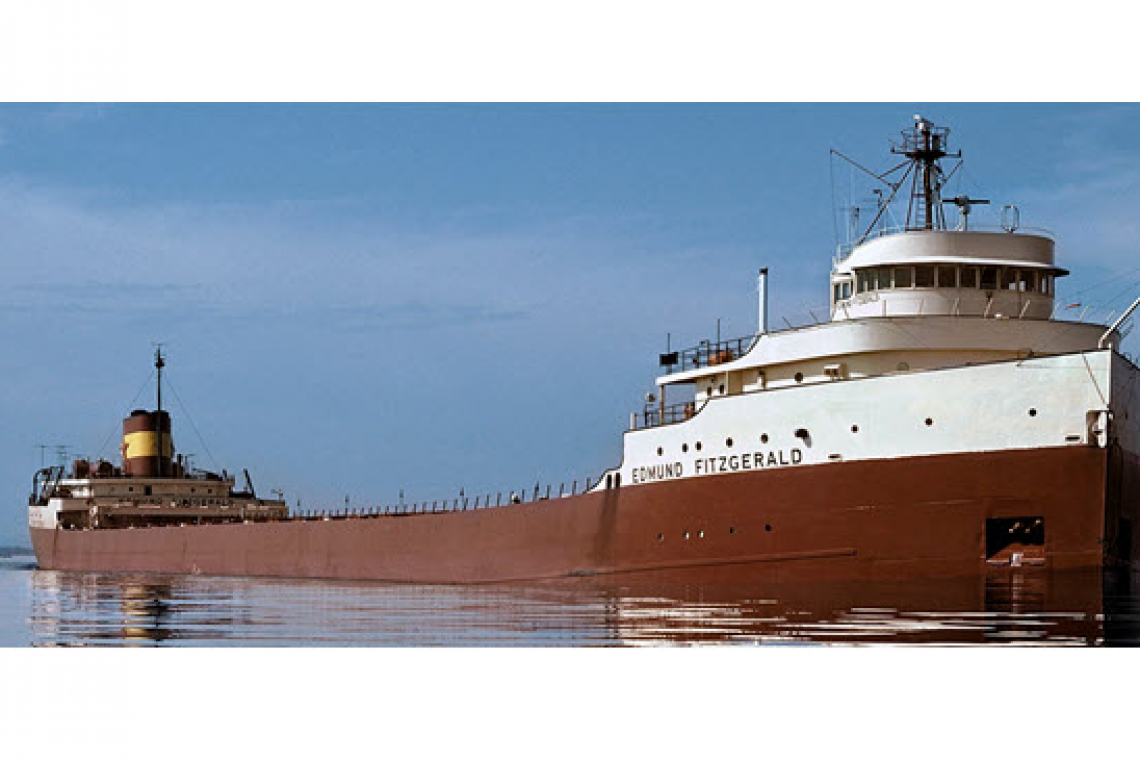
{"x":75,"y":609}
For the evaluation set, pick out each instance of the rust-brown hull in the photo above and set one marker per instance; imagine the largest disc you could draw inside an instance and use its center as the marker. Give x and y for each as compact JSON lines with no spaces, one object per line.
{"x":901,"y":518}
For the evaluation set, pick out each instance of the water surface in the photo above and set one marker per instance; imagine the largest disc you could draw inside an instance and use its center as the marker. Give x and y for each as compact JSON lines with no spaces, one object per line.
{"x":49,"y":608}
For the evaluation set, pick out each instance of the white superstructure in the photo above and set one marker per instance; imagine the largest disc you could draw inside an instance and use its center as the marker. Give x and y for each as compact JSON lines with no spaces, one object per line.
{"x":940,"y":341}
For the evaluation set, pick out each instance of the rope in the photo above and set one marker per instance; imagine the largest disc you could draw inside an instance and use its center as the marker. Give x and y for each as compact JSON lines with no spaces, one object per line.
{"x":192,"y":425}
{"x":130,"y":406}
{"x":1094,"y":382}
{"x":1066,"y":295}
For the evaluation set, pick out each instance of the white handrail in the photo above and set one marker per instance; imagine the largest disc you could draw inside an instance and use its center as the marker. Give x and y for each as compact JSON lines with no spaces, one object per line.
{"x":1118,"y":323}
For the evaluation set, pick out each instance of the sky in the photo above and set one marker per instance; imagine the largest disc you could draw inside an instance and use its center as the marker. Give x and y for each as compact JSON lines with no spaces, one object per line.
{"x":359,"y":300}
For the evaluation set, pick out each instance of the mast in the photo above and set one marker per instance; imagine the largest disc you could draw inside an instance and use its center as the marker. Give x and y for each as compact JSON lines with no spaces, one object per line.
{"x":159,"y":363}
{"x":924,"y":145}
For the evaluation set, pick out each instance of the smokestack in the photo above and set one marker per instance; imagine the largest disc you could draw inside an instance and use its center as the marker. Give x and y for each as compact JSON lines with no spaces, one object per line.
{"x":147,"y":446}
{"x":762,"y":283}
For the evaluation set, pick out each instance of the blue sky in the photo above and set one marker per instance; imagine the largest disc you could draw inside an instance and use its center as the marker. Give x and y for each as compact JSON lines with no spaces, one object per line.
{"x":359,"y":299}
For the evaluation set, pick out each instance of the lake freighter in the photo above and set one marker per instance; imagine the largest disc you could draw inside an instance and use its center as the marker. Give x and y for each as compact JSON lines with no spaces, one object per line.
{"x":943,"y":422}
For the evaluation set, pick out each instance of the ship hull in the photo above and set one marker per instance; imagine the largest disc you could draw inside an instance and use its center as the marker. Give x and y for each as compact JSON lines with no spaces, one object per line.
{"x":930,"y":516}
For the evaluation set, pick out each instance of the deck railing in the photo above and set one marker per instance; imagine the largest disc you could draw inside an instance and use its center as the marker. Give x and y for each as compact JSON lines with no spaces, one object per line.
{"x":843,"y":250}
{"x":708,"y":354}
{"x":654,"y":416}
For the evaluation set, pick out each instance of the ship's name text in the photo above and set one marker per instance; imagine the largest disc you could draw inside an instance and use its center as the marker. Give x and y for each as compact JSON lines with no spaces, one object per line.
{"x":756,"y":460}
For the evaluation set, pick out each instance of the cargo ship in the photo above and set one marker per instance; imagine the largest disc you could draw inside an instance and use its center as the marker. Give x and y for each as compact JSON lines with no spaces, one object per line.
{"x":942,"y":421}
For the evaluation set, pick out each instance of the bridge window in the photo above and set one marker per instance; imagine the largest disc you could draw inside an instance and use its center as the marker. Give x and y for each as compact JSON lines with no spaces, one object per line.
{"x":989,"y":278}
{"x":903,"y":277}
{"x":924,"y":277}
{"x":1045,"y":284}
{"x":969,"y":277}
{"x":1007,"y":279}
{"x":1026,"y":280}
{"x":862,"y":278}
{"x":947,"y":277}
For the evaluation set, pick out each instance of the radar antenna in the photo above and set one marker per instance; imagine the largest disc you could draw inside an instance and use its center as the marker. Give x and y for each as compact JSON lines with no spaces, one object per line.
{"x":964,"y":204}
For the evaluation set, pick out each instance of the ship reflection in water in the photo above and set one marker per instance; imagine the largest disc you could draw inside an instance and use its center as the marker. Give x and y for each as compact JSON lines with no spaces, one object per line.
{"x":1017,"y":607}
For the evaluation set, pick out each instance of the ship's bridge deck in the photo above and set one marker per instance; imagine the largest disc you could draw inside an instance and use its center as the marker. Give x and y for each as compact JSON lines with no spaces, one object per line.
{"x":943,"y":336}
{"x":1024,"y":244}
{"x":856,"y":348}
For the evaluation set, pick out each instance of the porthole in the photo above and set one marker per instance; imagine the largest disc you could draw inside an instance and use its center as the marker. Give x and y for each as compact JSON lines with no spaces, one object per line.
{"x":763,"y":438}
{"x":698,"y":445}
{"x":686,"y":535}
{"x":660,"y":536}
{"x":684,"y":447}
{"x":799,"y":377}
{"x":700,"y":534}
{"x":721,"y":390}
{"x":929,"y":422}
{"x":1032,"y":412}
{"x":731,"y":530}
{"x":854,"y":428}
{"x":768,"y":528}
{"x":660,"y":451}
{"x":728,"y":442}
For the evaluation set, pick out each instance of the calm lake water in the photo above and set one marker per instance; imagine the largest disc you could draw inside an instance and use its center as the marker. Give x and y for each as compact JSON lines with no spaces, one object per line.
{"x":47,"y":608}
